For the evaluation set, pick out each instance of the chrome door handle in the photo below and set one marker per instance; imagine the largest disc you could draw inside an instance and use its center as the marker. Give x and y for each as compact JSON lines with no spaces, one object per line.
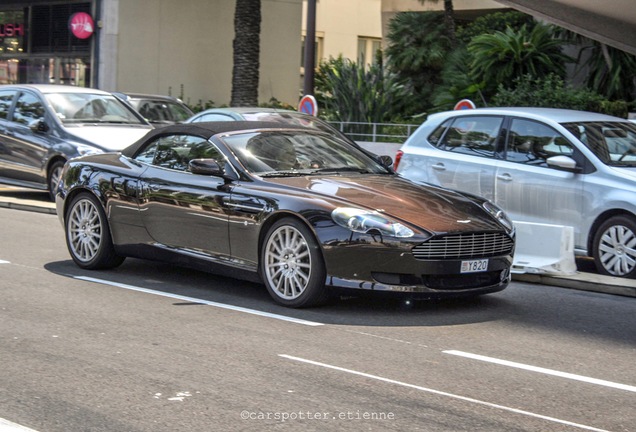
{"x":439,"y":167}
{"x":504,"y":177}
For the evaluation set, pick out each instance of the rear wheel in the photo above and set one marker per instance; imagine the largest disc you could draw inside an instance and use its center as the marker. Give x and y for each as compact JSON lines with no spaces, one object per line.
{"x":88,"y":236}
{"x":615,"y":247}
{"x":53,"y":177}
{"x":292,"y":266}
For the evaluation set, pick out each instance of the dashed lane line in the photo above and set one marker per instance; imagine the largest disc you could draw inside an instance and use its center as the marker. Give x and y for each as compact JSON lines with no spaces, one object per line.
{"x":543,"y":370}
{"x":442,"y":393}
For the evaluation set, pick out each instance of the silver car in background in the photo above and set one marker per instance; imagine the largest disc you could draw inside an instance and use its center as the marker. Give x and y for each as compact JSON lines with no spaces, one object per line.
{"x":44,"y":125}
{"x":541,"y":165}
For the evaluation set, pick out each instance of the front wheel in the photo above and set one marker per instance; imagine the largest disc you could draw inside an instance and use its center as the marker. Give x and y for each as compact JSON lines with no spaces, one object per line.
{"x":87,"y":234}
{"x":615,"y":247}
{"x":292,"y":266}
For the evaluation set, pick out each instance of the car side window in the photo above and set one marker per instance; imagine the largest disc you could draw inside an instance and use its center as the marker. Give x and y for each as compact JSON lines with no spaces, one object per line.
{"x":531,"y":142}
{"x":6,"y":99}
{"x":176,"y":151}
{"x":473,"y":135}
{"x":435,"y":137}
{"x":28,"y":108}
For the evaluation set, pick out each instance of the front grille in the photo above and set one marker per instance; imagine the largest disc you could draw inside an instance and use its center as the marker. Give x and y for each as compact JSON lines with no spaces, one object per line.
{"x":476,"y":245}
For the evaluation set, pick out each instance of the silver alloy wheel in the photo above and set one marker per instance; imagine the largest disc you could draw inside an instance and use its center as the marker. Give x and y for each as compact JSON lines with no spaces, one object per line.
{"x":617,"y":250}
{"x":287,"y":262}
{"x":84,"y":230}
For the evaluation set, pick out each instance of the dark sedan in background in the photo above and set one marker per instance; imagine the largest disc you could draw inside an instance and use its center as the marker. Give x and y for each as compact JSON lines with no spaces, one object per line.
{"x":297,"y":209}
{"x":159,"y":110}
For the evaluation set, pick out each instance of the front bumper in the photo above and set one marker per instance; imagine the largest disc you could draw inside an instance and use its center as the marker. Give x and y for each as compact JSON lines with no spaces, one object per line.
{"x":393,"y":267}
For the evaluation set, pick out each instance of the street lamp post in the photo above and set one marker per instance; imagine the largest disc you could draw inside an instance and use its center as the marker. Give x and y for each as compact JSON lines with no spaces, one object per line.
{"x":310,"y":48}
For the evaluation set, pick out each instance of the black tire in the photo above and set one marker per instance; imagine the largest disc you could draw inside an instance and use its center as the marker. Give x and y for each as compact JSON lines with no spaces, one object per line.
{"x":292,"y":266}
{"x":53,"y":177}
{"x":88,"y":236}
{"x":615,"y":247}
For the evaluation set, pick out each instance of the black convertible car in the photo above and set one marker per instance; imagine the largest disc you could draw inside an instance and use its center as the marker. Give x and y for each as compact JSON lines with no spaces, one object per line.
{"x":299,"y":210}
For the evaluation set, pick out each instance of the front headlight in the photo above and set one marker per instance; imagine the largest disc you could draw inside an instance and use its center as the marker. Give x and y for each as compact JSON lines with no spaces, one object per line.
{"x":84,"y":150}
{"x":368,"y":221}
{"x":499,"y":214}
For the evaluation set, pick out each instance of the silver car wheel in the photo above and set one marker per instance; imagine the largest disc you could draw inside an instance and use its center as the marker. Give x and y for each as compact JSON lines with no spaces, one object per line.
{"x":84,"y":230}
{"x":287,"y":262}
{"x":617,"y":250}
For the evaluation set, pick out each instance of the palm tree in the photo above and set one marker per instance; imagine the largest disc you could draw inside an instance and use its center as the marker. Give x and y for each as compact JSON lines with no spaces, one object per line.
{"x":500,"y":57}
{"x":449,"y":20}
{"x":245,"y":73}
{"x":417,"y":51}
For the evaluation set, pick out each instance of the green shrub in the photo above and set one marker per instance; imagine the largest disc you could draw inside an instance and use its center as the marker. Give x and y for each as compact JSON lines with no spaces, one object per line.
{"x":551,"y":92}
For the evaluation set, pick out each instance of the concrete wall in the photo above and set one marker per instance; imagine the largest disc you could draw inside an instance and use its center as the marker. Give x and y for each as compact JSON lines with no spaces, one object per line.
{"x":341,"y":22}
{"x":162,"y":46}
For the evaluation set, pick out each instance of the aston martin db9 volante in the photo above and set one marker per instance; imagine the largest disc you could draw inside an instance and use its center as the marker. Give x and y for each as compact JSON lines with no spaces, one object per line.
{"x":297,"y":209}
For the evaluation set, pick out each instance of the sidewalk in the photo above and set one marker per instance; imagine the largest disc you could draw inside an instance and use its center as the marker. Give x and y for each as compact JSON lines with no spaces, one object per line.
{"x":37,"y":201}
{"x":25,"y":199}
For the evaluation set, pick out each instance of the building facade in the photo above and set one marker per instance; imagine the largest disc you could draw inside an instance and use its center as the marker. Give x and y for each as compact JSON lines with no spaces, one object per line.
{"x":177,"y":47}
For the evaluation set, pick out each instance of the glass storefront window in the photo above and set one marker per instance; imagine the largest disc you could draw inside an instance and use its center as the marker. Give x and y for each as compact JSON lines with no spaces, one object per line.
{"x":37,"y":47}
{"x":12,"y":32}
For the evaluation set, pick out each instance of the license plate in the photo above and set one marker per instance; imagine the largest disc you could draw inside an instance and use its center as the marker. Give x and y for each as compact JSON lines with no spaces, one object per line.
{"x":474,"y":266}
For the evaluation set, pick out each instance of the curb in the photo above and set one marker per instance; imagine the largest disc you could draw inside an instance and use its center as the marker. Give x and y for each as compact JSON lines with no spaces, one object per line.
{"x":583,"y":282}
{"x":33,"y":207}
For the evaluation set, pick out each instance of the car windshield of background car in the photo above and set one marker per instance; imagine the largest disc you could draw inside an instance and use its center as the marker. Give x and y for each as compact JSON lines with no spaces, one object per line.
{"x":295,"y":118}
{"x":294,"y":153}
{"x":614,"y":143}
{"x":81,"y":108}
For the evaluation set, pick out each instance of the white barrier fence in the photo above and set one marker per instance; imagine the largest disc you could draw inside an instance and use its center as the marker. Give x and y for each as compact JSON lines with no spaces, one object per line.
{"x":543,"y":248}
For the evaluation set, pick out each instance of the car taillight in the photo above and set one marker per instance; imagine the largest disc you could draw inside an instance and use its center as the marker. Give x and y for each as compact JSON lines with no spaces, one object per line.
{"x":398,"y":156}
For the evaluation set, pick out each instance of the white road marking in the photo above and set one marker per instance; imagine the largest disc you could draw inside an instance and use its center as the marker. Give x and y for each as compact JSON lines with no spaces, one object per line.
{"x":204,"y":302}
{"x":4,"y":262}
{"x":7,"y":426}
{"x":441,"y":393}
{"x":543,"y":370}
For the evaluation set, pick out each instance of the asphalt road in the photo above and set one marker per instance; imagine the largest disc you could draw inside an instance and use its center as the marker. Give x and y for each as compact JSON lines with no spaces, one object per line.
{"x":152,"y":347}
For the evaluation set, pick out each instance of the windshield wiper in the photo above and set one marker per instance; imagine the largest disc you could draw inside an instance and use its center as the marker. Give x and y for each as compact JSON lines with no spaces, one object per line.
{"x":338,"y":170}
{"x":291,"y":173}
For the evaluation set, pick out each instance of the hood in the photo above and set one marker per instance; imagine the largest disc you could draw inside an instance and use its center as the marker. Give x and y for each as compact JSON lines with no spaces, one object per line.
{"x":626,"y":173}
{"x":429,"y":207}
{"x":109,"y":137}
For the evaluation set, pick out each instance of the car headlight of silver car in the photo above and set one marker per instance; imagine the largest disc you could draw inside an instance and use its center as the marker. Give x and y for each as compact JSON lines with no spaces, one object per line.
{"x":499,"y":214}
{"x":368,"y":221}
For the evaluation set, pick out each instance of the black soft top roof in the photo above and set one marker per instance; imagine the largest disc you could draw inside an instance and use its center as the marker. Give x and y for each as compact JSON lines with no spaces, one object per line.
{"x":206,"y":130}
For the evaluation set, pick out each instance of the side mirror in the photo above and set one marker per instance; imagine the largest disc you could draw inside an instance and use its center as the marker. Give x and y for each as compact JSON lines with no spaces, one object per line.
{"x":385,"y":160}
{"x":38,"y":126}
{"x":563,"y":163}
{"x":209,"y":167}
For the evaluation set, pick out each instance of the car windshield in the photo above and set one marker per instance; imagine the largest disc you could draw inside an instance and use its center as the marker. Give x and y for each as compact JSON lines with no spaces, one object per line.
{"x":614,"y":143}
{"x":81,"y":108}
{"x":289,"y":153}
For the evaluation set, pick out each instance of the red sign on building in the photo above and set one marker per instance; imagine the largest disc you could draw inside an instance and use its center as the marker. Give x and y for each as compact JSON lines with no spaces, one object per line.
{"x":81,"y":25}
